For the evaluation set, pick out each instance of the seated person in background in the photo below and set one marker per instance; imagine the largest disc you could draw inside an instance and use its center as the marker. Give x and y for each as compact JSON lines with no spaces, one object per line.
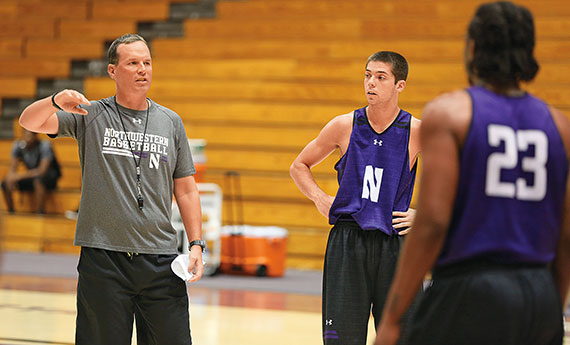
{"x":42,"y":170}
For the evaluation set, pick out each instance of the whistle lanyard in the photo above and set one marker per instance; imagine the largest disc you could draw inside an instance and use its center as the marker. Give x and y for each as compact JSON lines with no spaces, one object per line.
{"x":140,"y":200}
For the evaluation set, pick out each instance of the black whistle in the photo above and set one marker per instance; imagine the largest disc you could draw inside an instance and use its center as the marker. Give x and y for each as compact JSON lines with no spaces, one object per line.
{"x":140,"y":201}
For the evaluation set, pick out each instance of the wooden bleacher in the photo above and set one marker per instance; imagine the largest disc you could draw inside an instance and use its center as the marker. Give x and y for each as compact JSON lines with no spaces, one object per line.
{"x":286,"y":28}
{"x":44,"y":68}
{"x":443,"y":9}
{"x":314,"y":69}
{"x":16,"y":86}
{"x":28,"y":27}
{"x":11,"y":47}
{"x":38,"y":234}
{"x":100,"y":29}
{"x":257,"y":82}
{"x":442,"y":50}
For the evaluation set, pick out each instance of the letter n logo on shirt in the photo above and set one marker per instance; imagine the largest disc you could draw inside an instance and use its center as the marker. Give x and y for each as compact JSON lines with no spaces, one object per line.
{"x":371,"y":183}
{"x":154,"y":161}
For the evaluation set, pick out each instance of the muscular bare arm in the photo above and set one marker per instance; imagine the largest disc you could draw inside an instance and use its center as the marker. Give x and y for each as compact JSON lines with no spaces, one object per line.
{"x":444,"y":126}
{"x":336,"y":134}
{"x":188,"y":199}
{"x":415,"y":146}
{"x":40,"y":116}
{"x":561,"y":264}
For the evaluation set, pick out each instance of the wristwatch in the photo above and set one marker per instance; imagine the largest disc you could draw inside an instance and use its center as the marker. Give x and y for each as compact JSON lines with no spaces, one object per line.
{"x":200,"y":243}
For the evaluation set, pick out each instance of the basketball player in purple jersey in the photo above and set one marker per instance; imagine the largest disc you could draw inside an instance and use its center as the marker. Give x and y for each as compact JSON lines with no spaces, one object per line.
{"x":493,"y":217}
{"x":379,"y":145}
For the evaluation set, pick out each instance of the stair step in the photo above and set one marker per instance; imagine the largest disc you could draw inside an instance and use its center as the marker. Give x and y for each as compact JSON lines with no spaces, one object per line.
{"x":13,"y":107}
{"x":46,"y":87}
{"x":85,"y":68}
{"x":167,"y":29}
{"x":198,"y":10}
{"x":6,"y":128}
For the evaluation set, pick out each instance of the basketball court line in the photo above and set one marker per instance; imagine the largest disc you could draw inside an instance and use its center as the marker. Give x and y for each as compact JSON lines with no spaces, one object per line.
{"x":8,"y":341}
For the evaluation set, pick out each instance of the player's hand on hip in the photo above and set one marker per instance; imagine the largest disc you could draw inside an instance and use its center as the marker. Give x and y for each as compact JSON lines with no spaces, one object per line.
{"x":70,"y":100}
{"x":324,"y":204}
{"x":403,"y":220}
{"x":195,"y":263}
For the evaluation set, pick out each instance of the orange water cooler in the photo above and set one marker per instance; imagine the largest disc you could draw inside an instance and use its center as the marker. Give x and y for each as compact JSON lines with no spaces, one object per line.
{"x":254,"y":250}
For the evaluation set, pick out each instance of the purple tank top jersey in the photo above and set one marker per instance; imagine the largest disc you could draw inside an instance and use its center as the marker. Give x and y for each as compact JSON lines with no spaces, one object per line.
{"x":374,"y":174}
{"x":513,"y":169}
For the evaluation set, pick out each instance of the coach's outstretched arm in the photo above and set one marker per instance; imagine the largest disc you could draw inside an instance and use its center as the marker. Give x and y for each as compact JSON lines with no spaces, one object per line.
{"x":40,"y":116}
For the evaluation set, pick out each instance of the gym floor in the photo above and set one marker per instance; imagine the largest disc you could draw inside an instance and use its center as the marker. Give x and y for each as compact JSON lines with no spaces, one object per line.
{"x":37,"y":305}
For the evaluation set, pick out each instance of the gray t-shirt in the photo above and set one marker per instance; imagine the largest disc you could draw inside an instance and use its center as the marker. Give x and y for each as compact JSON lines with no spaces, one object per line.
{"x":109,"y":216}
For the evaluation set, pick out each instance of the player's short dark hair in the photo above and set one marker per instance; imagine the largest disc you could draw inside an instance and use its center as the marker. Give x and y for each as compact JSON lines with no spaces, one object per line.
{"x":503,"y":34}
{"x":112,"y":55}
{"x":398,"y":62}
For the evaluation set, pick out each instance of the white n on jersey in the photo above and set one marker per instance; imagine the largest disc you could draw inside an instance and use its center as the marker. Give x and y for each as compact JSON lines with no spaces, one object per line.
{"x":371,"y":183}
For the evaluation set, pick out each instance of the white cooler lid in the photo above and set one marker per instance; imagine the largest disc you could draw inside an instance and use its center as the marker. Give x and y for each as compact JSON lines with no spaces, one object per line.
{"x":255,"y":231}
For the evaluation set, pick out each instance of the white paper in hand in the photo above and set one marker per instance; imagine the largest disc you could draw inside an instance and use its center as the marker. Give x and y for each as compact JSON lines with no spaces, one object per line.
{"x":180,"y":267}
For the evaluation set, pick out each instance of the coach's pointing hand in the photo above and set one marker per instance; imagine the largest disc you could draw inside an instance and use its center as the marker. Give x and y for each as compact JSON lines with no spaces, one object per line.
{"x":70,"y":100}
{"x":41,"y":117}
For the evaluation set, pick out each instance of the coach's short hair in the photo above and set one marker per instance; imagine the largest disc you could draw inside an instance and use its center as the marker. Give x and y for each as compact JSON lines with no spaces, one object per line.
{"x":398,"y":62}
{"x":112,"y":55}
{"x":503,"y":34}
